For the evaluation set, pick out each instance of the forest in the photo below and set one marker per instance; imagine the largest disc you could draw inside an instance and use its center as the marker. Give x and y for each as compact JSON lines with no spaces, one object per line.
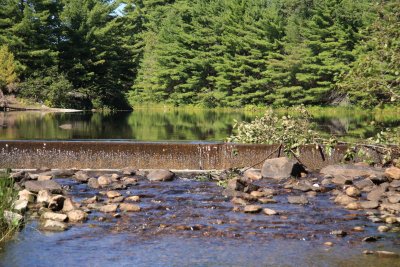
{"x":213,"y":53}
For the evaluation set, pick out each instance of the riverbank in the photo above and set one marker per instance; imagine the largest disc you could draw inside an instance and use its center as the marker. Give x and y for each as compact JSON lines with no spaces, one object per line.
{"x":11,"y":103}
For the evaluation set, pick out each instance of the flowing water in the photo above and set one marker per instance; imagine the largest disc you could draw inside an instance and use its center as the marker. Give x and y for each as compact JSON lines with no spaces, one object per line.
{"x":189,"y":222}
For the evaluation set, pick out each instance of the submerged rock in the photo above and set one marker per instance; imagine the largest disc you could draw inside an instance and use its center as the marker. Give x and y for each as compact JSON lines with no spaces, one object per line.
{"x":51,"y":225}
{"x":301,"y":200}
{"x":281,"y":168}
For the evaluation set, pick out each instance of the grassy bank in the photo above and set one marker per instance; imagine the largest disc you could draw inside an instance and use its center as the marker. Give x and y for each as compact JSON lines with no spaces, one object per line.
{"x":7,"y":197}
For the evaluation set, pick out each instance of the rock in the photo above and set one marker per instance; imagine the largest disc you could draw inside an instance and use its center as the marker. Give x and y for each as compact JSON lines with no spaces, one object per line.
{"x":68,"y":205}
{"x":369,"y":204}
{"x":391,"y":207}
{"x":36,"y":186}
{"x":20,"y":205}
{"x":44,"y":197}
{"x":95,"y":206}
{"x":395,"y":184}
{"x":252,"y":174}
{"x":109,"y":208}
{"x":378,"y":179}
{"x":383,"y":228}
{"x":93,"y":183}
{"x":63,"y":173}
{"x":133,"y":199}
{"x":250,"y":188}
{"x":115,"y":177}
{"x":54,"y":216}
{"x":128,"y":207}
{"x":344,"y":200}
{"x":232,"y":193}
{"x":370,"y":239}
{"x":56,"y":203}
{"x":270,"y":211}
{"x":113,"y":194}
{"x":19,"y":176}
{"x":394,"y":199}
{"x":239,"y":201}
{"x":118,"y":186}
{"x":353,"y":192}
{"x":361,"y":184}
{"x":328,"y":244}
{"x":342,"y":180}
{"x":90,"y":200}
{"x":353,"y":206}
{"x":116,"y":199}
{"x":391,"y":220}
{"x":265,"y":200}
{"x":77,"y":216}
{"x":326,"y":182}
{"x":393,"y":172}
{"x":252,"y":209}
{"x":338,"y":233}
{"x":236,"y":184}
{"x":104,"y":181}
{"x":160,"y":176}
{"x":358,"y":229}
{"x":128,"y":181}
{"x":128,"y":171}
{"x":302,"y":200}
{"x":13,"y":218}
{"x":382,"y":253}
{"x":50,"y":225}
{"x":281,"y":168}
{"x":377,"y":193}
{"x":26,"y":195}
{"x":44,"y":177}
{"x":351,"y":171}
{"x":81,"y":176}
{"x":311,"y":194}
{"x":258,"y":194}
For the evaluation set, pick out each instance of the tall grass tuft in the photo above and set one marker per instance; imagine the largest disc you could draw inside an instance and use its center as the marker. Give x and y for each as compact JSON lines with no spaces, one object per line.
{"x":8,"y":195}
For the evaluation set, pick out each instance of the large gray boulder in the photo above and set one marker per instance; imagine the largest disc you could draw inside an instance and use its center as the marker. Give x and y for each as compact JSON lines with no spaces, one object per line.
{"x":50,"y":185}
{"x":281,"y":168}
{"x":161,"y":175}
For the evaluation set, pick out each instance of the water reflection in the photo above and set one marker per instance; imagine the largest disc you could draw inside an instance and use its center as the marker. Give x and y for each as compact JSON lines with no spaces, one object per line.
{"x":182,"y":124}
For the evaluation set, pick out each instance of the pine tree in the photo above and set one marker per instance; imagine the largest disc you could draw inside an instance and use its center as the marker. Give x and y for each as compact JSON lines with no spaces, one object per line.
{"x":8,"y":75}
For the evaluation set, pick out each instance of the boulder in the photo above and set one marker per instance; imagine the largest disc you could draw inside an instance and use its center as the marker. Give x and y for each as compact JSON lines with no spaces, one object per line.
{"x":160,"y":176}
{"x":369,"y":204}
{"x":395,"y":184}
{"x":391,"y":207}
{"x":351,"y":171}
{"x":20,"y":205}
{"x":56,"y":203}
{"x":54,"y":216}
{"x":280,"y":168}
{"x":344,"y":200}
{"x":377,"y":193}
{"x":44,"y":197}
{"x":26,"y":195}
{"x":77,"y":216}
{"x":93,"y":183}
{"x":104,"y":181}
{"x":361,"y":184}
{"x":68,"y":205}
{"x":270,"y":211}
{"x":13,"y":218}
{"x":394,"y":199}
{"x":128,"y":207}
{"x":109,"y":208}
{"x":353,"y":192}
{"x":36,"y":186}
{"x":128,"y":171}
{"x":113,"y":194}
{"x":301,"y":200}
{"x":252,"y":209}
{"x":128,"y":181}
{"x":252,"y":174}
{"x":81,"y":176}
{"x":44,"y":177}
{"x":393,"y":172}
{"x":133,"y":199}
{"x":55,"y":226}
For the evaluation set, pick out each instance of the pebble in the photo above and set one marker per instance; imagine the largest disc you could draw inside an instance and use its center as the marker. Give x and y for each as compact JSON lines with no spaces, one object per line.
{"x":252,"y":209}
{"x":383,"y":228}
{"x":270,"y":211}
{"x":328,"y":244}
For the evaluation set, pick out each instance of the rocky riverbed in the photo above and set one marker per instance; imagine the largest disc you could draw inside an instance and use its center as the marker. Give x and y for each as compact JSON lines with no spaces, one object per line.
{"x":341,"y":208}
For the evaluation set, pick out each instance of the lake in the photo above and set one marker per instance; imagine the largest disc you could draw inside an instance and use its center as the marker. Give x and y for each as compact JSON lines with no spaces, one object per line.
{"x":146,"y":124}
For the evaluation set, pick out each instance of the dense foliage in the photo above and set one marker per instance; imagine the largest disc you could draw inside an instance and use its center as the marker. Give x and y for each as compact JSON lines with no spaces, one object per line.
{"x":205,"y":52}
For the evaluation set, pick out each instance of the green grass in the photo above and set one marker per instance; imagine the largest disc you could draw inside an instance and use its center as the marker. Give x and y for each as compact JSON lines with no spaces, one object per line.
{"x":7,"y":197}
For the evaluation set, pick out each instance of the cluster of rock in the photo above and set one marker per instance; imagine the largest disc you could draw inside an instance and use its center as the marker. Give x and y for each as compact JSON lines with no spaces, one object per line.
{"x":43,"y":196}
{"x":360,"y":187}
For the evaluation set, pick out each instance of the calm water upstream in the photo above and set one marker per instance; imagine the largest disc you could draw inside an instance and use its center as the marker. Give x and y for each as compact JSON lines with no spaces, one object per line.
{"x":180,"y":124}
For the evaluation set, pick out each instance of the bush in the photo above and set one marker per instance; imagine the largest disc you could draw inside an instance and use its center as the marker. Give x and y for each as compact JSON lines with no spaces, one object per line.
{"x":7,"y":197}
